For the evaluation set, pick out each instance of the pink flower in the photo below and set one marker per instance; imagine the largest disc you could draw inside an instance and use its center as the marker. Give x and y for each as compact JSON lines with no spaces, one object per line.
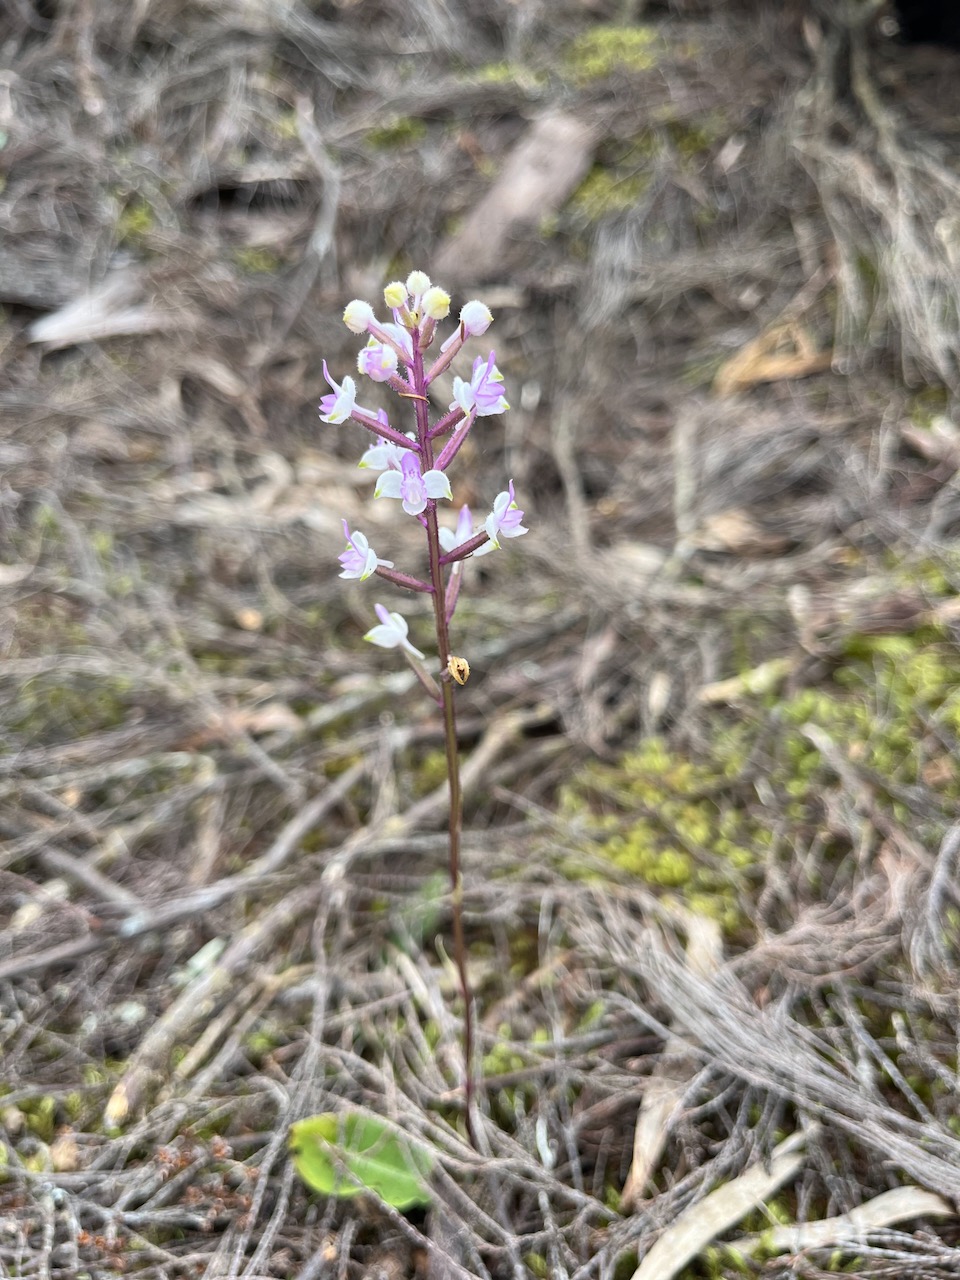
{"x":483,"y":392}
{"x":378,"y":361}
{"x":392,"y":632}
{"x":359,"y":560}
{"x":504,"y":520}
{"x":450,"y":539}
{"x":339,"y":406}
{"x":411,"y":487}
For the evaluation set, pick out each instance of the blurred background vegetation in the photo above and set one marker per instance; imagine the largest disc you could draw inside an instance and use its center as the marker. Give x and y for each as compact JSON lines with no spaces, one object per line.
{"x":710,"y":736}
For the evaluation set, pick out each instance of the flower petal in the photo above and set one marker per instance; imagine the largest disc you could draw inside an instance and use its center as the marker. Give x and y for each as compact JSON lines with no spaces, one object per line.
{"x":437,"y":485}
{"x":388,"y":484}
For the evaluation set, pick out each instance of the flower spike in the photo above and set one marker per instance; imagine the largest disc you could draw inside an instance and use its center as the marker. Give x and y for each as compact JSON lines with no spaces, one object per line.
{"x":413,"y":470}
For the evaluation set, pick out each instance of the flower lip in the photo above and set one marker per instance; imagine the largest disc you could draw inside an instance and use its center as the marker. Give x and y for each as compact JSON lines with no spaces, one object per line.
{"x":413,"y":488}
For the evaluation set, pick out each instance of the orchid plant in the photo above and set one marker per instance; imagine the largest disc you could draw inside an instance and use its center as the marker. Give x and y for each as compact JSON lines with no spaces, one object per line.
{"x":413,"y":470}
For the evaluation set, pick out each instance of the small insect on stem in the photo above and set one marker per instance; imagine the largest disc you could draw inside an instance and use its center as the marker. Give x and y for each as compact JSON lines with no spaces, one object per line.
{"x":459,"y":669}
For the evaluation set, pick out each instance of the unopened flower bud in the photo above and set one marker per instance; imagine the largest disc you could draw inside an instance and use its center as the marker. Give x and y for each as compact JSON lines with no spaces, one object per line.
{"x":395,"y":295}
{"x":418,"y":282}
{"x":436,"y":303}
{"x":476,"y":318}
{"x":358,"y":316}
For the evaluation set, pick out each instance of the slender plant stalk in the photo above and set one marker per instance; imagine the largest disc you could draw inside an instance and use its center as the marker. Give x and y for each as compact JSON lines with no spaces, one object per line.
{"x":450,"y":739}
{"x":413,"y":469}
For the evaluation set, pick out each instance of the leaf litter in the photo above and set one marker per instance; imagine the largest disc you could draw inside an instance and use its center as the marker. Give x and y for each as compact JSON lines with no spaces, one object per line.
{"x":217,"y":896}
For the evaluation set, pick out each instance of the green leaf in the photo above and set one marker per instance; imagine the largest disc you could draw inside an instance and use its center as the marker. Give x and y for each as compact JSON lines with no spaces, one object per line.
{"x":345,"y":1154}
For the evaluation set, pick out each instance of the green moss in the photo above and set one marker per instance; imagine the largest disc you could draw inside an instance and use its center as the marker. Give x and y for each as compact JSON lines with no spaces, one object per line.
{"x":717,"y":1262}
{"x":135,"y":222}
{"x":502,"y":1059}
{"x":431,"y":773}
{"x":694,"y":139}
{"x":285,"y":124}
{"x":603,"y":193}
{"x":603,"y":50}
{"x":403,"y":132}
{"x":48,"y":711}
{"x":75,"y":1106}
{"x":691,"y":835}
{"x":257,"y":261}
{"x":41,"y":1114}
{"x":504,"y":73}
{"x":927,"y":404}
{"x":263,"y":1040}
{"x":688,"y":826}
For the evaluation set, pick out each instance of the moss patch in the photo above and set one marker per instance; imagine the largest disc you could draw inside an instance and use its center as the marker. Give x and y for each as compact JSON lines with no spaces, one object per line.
{"x":604,"y":50}
{"x":674,"y":822}
{"x":404,"y":132}
{"x":700,"y":828}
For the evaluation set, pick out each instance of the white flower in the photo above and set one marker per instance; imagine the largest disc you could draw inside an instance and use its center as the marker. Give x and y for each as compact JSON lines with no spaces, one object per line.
{"x":392,"y":632}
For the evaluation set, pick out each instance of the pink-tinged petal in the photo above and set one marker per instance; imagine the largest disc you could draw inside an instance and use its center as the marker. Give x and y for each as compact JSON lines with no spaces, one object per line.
{"x":338,"y":406}
{"x":464,"y":525}
{"x":504,"y":519}
{"x":378,"y":361}
{"x":412,"y":491}
{"x":450,"y":539}
{"x":483,"y":392}
{"x":359,"y":561}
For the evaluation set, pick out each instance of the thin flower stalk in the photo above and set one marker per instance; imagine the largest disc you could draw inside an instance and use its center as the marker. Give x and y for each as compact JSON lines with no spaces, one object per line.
{"x":413,"y":471}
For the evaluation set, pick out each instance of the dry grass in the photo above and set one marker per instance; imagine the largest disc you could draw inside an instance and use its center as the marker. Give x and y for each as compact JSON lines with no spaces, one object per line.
{"x":222,"y":814}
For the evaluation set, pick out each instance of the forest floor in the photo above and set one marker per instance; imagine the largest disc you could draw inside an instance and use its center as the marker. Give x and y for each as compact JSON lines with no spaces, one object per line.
{"x":710,"y":737}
